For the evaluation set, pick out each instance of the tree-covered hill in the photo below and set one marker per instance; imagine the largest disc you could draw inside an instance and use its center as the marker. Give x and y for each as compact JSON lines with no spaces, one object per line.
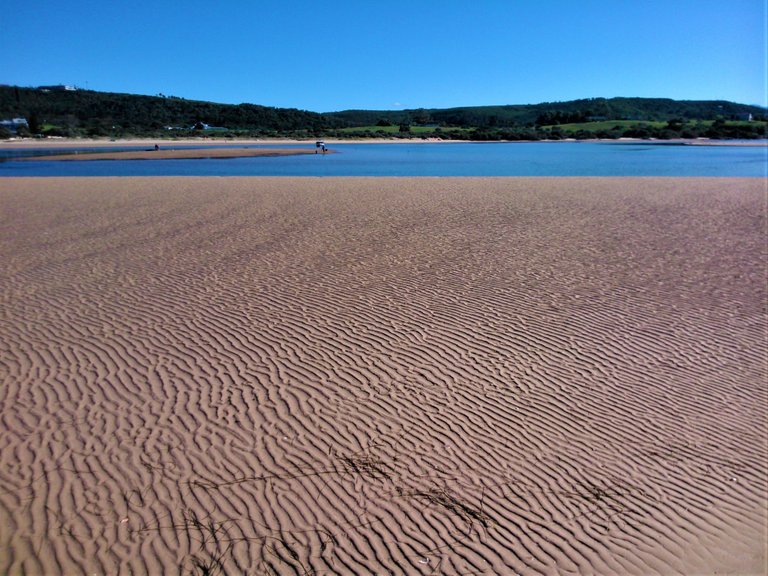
{"x":86,"y":112}
{"x":64,"y":112}
{"x":548,"y":113}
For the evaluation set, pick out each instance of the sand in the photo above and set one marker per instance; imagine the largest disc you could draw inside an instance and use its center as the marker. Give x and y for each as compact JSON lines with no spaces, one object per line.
{"x":178,"y":154}
{"x":85,"y":143}
{"x":44,"y":143}
{"x":361,"y":375}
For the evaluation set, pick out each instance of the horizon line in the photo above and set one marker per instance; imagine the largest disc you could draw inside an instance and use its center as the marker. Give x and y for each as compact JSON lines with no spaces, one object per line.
{"x":77,"y":87}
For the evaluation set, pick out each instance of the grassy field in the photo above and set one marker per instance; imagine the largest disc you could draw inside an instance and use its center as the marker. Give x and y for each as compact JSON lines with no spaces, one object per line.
{"x":394,"y":130}
{"x":624,"y":124}
{"x":605,"y":125}
{"x":574,"y":127}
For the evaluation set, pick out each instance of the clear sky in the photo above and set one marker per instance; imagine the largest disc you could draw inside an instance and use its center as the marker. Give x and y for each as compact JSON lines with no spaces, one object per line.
{"x":327,"y":55}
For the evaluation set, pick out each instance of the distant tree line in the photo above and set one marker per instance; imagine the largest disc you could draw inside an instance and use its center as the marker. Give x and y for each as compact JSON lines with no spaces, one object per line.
{"x":90,"y":113}
{"x":549,"y":113}
{"x":719,"y":129}
{"x":714,"y":130}
{"x":103,"y":114}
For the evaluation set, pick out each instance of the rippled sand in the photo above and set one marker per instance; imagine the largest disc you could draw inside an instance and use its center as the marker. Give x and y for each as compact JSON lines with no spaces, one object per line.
{"x":361,"y":375}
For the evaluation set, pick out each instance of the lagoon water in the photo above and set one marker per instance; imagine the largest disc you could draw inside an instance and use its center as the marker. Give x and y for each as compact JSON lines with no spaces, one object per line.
{"x":434,"y":159}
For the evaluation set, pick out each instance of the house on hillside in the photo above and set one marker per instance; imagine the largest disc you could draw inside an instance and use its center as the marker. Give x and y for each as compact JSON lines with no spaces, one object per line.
{"x":58,"y":88}
{"x":204,"y":126}
{"x":744,"y":116}
{"x":13,"y":124}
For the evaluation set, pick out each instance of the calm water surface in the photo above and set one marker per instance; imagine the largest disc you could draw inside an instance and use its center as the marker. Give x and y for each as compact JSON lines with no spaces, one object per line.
{"x":433,"y":159}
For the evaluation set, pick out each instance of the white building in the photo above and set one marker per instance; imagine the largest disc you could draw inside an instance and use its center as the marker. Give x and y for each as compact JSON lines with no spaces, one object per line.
{"x":13,"y":124}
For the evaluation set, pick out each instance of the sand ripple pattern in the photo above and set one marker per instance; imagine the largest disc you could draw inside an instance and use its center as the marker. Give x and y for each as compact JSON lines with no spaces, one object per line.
{"x":382,"y":376}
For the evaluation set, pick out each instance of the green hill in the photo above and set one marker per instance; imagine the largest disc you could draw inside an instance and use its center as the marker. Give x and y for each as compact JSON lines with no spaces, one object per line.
{"x":86,"y":112}
{"x":549,"y":113}
{"x":57,"y":111}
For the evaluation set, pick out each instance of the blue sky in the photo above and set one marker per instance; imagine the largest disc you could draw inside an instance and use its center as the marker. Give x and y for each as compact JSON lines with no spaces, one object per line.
{"x":326,"y":55}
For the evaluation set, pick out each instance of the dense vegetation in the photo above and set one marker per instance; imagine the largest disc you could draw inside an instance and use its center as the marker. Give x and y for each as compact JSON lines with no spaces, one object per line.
{"x":103,"y":114}
{"x":590,"y":118}
{"x":90,"y":113}
{"x":547,"y":113}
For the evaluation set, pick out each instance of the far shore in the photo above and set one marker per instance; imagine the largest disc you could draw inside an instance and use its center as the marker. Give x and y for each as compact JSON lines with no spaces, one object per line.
{"x":53,"y":143}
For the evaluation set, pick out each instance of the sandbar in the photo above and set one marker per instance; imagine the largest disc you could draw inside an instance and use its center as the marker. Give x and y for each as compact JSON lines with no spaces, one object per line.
{"x":383,"y":375}
{"x":177,"y":154}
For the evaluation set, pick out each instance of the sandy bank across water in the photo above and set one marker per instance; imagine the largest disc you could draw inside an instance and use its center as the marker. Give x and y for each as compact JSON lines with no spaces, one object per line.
{"x":177,"y":154}
{"x":85,"y":143}
{"x":354,"y":375}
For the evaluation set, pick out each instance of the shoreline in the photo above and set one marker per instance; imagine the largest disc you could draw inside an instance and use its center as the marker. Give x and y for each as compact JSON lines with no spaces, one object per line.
{"x":176,"y":154}
{"x":45,"y":143}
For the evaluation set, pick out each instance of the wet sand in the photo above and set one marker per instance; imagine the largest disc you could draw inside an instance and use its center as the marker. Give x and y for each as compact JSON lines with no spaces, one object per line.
{"x":177,"y":154}
{"x":43,"y":143}
{"x":362,"y":375}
